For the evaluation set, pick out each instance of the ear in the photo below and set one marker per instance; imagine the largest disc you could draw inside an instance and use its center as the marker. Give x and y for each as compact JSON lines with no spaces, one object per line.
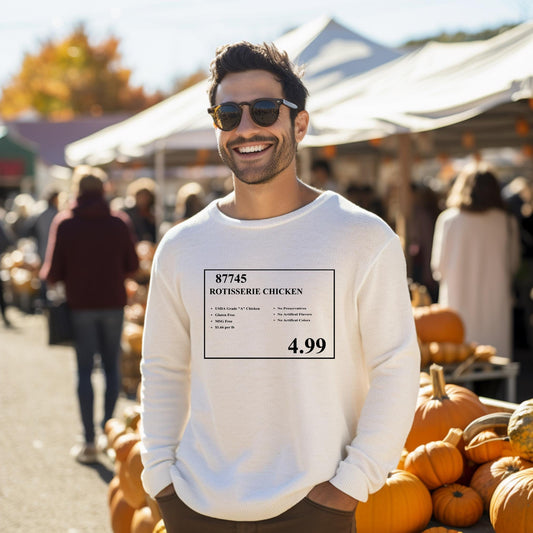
{"x":301,"y":122}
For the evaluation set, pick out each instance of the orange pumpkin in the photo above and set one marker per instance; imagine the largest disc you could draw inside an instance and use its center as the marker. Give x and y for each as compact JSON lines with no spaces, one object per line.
{"x":441,"y":407}
{"x":520,"y":430}
{"x":440,"y":529}
{"x":385,"y":510}
{"x":511,"y":506}
{"x":401,"y":462}
{"x":112,"y":488}
{"x":121,"y":513}
{"x":435,"y":323}
{"x":425,"y":355}
{"x":489,"y":475}
{"x":124,"y":444}
{"x":113,"y":429}
{"x":156,"y":513}
{"x":143,"y":521}
{"x":457,"y":505}
{"x":130,"y":478}
{"x":486,"y":446}
{"x":132,"y":335}
{"x":437,"y":463}
{"x":450,"y":352}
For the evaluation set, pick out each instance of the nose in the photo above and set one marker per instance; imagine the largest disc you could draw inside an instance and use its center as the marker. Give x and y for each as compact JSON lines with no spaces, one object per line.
{"x":246,"y":124}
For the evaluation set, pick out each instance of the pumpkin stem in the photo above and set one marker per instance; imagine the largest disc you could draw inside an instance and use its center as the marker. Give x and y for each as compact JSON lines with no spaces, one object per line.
{"x":454,"y":437}
{"x":457,"y":494}
{"x":437,"y":380}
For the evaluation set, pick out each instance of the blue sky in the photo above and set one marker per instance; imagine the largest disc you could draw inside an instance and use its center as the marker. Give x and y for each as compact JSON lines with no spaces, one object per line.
{"x":162,"y":40}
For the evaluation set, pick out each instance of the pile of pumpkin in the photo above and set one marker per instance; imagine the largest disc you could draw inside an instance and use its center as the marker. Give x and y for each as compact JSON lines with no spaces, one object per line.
{"x":441,"y":337}
{"x":19,"y":270}
{"x":137,"y":293}
{"x":460,"y":460}
{"x":131,"y":510}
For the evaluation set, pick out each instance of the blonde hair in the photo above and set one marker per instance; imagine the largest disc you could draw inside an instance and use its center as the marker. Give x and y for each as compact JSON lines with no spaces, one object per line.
{"x":185,"y":192}
{"x":141,"y":184}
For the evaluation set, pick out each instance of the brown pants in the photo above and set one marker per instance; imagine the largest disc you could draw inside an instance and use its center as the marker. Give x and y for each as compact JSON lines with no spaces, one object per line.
{"x":305,"y":517}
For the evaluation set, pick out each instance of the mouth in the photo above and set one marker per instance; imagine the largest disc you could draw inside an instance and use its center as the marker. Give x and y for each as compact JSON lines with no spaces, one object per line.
{"x":252,"y":150}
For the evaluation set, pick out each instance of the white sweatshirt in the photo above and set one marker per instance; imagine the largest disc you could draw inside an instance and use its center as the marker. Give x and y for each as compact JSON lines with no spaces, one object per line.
{"x":278,"y":354}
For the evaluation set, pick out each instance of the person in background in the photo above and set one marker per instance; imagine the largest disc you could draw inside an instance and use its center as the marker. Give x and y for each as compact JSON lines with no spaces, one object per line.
{"x":475,"y":254}
{"x":189,"y":201}
{"x":421,"y":227}
{"x":364,"y":196}
{"x":6,"y":240}
{"x":321,"y":177}
{"x":38,"y":227}
{"x":518,"y":197}
{"x":278,"y":323}
{"x":19,"y":214}
{"x":142,"y":193}
{"x":91,"y":250}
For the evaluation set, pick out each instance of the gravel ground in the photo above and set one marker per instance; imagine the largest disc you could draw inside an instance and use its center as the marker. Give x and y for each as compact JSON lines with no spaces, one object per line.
{"x":42,"y":488}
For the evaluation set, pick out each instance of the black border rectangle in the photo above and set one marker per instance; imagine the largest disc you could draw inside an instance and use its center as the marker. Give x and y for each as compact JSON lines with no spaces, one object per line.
{"x":270,"y":270}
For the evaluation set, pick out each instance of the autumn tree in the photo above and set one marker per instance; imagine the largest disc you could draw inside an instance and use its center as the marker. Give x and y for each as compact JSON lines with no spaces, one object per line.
{"x":73,"y":77}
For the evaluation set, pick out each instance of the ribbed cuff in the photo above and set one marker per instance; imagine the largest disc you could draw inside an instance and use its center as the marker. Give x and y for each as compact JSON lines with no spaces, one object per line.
{"x":351,"y":480}
{"x":156,"y":479}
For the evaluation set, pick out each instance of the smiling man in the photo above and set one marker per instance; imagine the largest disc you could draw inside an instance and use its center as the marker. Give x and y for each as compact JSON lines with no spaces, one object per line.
{"x":278,"y":324}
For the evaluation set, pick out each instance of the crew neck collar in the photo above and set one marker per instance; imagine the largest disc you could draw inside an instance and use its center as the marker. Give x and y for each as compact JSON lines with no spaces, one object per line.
{"x":268,"y":222}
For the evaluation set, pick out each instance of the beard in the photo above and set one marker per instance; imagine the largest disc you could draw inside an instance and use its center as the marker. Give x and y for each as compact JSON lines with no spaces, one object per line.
{"x":282,"y":155}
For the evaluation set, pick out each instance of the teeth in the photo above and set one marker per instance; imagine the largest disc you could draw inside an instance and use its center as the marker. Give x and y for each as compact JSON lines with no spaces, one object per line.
{"x":251,"y":149}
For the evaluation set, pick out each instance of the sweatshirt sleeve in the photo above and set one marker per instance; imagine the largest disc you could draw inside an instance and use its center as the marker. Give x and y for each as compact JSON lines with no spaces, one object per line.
{"x":393,"y":363}
{"x":54,"y":266}
{"x":165,"y":373}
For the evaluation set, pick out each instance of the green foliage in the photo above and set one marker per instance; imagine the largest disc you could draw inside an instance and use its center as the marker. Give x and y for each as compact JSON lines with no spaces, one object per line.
{"x":459,"y":36}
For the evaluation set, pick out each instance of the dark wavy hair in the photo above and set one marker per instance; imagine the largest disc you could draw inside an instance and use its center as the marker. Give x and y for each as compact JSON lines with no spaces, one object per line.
{"x":476,"y":189}
{"x":244,"y":56}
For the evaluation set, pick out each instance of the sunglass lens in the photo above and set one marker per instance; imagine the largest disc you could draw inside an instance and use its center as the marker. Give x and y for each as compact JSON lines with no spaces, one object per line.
{"x":228,"y":116}
{"x":265,"y":112}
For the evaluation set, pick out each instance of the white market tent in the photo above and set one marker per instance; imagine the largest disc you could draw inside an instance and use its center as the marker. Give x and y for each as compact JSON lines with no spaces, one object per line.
{"x":431,"y":88}
{"x":464,"y":96}
{"x":329,"y":51}
{"x":437,"y":86}
{"x":481,"y":89}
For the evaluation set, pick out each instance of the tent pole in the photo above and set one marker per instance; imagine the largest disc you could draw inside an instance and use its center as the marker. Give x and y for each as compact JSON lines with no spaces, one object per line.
{"x":160,"y":181}
{"x":404,"y":190}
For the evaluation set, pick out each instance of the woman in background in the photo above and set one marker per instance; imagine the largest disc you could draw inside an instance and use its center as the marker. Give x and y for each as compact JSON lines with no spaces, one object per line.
{"x":475,"y":253}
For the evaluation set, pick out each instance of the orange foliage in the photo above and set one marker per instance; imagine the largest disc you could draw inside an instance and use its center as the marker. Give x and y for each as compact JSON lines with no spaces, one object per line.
{"x":73,"y":77}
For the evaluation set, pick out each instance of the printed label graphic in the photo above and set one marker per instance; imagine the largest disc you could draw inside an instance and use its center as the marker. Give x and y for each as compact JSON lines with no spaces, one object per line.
{"x":269,"y":314}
